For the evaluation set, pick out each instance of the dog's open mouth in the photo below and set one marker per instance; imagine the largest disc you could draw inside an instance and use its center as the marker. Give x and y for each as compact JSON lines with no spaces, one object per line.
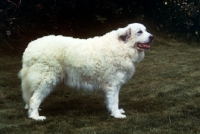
{"x":143,"y":46}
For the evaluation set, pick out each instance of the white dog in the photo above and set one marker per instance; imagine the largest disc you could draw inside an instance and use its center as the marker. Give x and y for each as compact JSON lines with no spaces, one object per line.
{"x":105,"y":63}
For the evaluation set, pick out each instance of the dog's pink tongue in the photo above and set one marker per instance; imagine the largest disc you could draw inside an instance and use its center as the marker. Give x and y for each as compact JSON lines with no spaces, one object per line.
{"x":144,"y":46}
{"x":147,"y":46}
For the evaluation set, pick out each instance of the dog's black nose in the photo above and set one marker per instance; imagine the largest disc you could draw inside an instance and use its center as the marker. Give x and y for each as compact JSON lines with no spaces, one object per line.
{"x":151,"y":38}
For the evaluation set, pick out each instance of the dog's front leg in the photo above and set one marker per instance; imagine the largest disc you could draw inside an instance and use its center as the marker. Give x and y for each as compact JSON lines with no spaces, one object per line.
{"x":112,"y":102}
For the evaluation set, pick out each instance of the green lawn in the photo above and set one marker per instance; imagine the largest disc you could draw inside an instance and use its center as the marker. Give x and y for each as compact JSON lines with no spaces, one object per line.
{"x":163,"y":97}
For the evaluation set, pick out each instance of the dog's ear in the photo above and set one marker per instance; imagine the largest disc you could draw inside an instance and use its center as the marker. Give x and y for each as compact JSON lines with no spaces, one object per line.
{"x":125,"y":36}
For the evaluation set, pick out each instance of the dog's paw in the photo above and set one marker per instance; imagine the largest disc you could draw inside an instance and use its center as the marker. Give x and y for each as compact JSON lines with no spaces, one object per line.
{"x":121,"y":110}
{"x":38,"y":118}
{"x":120,"y":116}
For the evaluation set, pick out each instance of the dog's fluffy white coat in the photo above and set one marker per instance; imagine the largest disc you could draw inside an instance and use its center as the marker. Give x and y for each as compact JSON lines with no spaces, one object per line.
{"x":105,"y":63}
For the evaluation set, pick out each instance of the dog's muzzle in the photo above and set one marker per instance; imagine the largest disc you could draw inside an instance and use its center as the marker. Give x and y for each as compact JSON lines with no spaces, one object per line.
{"x":145,"y":46}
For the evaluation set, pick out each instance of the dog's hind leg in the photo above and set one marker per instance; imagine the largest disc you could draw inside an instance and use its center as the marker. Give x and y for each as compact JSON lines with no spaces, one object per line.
{"x":42,"y":89}
{"x":34,"y":104}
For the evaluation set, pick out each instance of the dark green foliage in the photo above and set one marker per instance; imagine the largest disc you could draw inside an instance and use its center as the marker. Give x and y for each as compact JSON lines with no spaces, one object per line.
{"x":23,"y":21}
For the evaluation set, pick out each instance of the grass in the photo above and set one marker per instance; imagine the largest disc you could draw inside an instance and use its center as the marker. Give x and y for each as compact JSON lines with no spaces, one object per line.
{"x":162,"y":97}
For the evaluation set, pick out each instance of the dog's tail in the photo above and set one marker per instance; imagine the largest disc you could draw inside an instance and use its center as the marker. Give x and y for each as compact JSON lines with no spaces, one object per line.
{"x":22,"y":72}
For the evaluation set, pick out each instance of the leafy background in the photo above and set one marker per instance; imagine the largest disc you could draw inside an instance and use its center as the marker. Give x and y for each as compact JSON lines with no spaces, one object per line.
{"x":22,"y":21}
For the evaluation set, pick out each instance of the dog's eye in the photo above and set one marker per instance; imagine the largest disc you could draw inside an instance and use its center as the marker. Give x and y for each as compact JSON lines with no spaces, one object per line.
{"x":140,"y":32}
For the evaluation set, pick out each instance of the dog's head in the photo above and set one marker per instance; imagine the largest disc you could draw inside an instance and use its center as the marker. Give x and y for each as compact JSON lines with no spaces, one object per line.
{"x":136,"y":35}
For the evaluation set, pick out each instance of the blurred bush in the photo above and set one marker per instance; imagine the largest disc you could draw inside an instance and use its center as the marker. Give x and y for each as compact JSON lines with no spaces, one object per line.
{"x":23,"y":21}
